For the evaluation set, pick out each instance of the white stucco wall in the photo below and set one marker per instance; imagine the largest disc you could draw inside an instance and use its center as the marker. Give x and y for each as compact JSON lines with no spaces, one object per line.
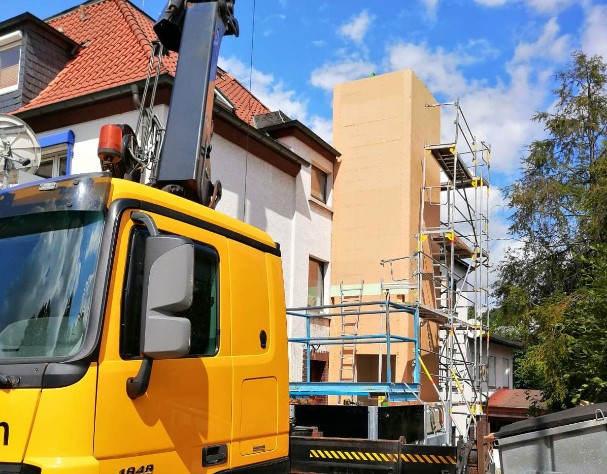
{"x":255,"y":192}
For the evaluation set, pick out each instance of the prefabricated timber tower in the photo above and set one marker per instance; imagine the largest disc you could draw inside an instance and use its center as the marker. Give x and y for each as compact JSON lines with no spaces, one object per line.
{"x":408,"y":315}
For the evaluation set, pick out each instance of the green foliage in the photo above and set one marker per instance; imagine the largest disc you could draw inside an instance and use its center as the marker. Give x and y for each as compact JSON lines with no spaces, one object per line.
{"x":553,"y":289}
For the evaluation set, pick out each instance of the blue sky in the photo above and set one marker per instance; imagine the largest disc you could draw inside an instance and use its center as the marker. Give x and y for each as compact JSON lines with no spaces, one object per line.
{"x":497,"y":57}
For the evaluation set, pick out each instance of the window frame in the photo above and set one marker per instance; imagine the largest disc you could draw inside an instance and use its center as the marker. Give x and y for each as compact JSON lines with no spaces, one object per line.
{"x":321,"y":194}
{"x":9,"y":41}
{"x":491,"y":372}
{"x":131,"y":304}
{"x":322,"y":273}
{"x":55,"y":154}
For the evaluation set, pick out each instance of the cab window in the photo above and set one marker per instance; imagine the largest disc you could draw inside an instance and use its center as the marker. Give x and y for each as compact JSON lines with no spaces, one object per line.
{"x":203,"y":314}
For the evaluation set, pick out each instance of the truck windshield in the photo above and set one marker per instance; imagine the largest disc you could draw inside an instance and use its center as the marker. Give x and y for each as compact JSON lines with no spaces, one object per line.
{"x":48,"y":263}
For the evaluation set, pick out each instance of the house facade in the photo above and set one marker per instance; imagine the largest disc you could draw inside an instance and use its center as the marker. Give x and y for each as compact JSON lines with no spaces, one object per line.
{"x":86,"y":67}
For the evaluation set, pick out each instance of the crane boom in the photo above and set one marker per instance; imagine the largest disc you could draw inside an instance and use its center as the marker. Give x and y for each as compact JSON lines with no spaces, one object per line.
{"x":194,"y":29}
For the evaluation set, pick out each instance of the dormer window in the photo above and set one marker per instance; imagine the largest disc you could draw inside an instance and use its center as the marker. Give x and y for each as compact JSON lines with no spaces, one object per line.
{"x":10,"y":53}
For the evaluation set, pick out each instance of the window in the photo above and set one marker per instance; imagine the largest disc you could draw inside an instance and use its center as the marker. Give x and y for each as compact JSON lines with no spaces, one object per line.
{"x":319,"y":184}
{"x":10,"y":53}
{"x":203,"y":314}
{"x":316,"y":282}
{"x":57,"y":151}
{"x":506,"y":374}
{"x":491,"y":372}
{"x":53,"y":162}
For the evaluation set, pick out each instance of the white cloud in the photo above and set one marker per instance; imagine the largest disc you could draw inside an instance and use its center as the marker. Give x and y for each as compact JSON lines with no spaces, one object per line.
{"x":594,"y":37}
{"x":431,"y":6}
{"x":499,"y":113}
{"x":492,"y":3}
{"x":356,"y":28}
{"x":550,"y":6}
{"x":548,"y":46}
{"x":437,"y":68}
{"x":276,"y":96}
{"x":328,"y":75}
{"x":541,"y":6}
{"x":271,"y":92}
{"x":322,"y":127}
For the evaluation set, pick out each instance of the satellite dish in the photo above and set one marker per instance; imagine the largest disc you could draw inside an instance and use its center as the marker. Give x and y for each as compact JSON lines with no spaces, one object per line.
{"x":19,"y":147}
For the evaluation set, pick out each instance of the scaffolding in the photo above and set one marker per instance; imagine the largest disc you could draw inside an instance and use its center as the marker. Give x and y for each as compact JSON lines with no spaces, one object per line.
{"x":385,"y":312}
{"x":449,"y":273}
{"x":458,"y":249}
{"x":444,"y":281}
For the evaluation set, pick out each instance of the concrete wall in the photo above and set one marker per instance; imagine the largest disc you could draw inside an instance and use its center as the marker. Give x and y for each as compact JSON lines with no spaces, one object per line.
{"x":380,"y":125}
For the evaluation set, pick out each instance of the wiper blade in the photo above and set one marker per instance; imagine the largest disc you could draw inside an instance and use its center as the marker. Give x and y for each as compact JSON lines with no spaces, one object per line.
{"x":9,"y":381}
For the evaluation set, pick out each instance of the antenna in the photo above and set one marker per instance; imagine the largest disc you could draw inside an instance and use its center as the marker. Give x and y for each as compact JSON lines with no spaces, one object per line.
{"x":19,"y":150}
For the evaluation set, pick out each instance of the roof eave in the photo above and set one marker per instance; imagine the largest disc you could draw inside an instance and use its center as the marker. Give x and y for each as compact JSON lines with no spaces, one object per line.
{"x":305,"y":130}
{"x":112,"y":93}
{"x":258,"y":135}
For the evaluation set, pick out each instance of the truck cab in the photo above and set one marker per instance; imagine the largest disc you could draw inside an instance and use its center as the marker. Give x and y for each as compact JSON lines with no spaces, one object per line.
{"x":139,"y":332}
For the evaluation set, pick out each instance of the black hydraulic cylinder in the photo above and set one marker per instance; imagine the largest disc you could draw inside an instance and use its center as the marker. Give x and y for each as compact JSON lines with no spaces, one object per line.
{"x":184,"y":157}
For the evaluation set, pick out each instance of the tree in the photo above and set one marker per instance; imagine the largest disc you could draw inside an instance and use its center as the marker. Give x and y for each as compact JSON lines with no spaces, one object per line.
{"x":547,"y":287}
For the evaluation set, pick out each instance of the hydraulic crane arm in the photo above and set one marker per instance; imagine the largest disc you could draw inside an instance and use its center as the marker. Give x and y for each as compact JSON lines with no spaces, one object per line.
{"x":194,"y":29}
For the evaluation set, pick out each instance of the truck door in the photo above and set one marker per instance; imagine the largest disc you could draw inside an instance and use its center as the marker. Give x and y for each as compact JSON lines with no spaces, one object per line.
{"x":183,"y":421}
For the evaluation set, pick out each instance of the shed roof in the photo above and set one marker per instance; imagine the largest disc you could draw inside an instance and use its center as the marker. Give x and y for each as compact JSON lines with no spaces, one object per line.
{"x":520,"y":398}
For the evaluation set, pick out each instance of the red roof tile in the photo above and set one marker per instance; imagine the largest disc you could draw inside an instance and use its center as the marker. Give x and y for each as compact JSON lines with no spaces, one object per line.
{"x":247,"y":105}
{"x":515,"y":398}
{"x":116,"y":42}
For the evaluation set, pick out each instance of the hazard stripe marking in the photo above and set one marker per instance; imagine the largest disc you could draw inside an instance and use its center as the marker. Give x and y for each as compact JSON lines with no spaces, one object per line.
{"x":381,"y":457}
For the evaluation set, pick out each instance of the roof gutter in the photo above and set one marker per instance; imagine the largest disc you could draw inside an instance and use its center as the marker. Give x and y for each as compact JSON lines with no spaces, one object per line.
{"x":113,"y":93}
{"x":260,"y":136}
{"x":166,"y":80}
{"x":306,"y":131}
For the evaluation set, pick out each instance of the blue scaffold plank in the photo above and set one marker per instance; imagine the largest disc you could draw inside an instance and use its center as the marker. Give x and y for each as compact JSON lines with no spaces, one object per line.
{"x":393,"y":391}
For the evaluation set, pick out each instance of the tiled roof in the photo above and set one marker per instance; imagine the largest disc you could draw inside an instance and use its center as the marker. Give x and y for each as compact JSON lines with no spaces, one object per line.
{"x":515,"y":398}
{"x":116,"y":42}
{"x":247,"y":105}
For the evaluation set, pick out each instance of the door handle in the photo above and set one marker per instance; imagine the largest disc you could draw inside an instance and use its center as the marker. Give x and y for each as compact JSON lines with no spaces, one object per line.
{"x":213,"y":455}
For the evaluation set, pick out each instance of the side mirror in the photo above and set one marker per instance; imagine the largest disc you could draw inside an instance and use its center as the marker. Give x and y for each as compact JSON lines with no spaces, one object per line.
{"x":168,"y":282}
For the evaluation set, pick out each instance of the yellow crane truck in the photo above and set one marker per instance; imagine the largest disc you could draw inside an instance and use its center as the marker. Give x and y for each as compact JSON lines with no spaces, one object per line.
{"x":141,"y":331}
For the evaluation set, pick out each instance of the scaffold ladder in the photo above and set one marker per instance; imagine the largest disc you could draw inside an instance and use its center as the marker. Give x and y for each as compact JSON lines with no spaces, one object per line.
{"x":350,"y":299}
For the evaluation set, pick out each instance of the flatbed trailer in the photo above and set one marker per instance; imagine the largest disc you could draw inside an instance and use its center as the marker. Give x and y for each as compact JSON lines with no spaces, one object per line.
{"x":361,"y":456}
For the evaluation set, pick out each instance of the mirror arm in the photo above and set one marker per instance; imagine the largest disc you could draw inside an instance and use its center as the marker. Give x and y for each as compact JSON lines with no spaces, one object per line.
{"x":138,"y":385}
